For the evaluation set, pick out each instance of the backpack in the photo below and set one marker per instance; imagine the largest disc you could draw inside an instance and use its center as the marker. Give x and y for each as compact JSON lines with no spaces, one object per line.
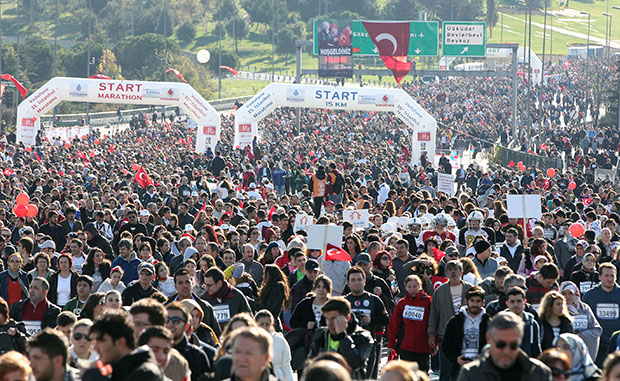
{"x":338,"y":183}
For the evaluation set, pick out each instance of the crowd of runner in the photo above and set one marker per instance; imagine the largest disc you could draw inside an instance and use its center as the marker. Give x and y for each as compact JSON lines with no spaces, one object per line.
{"x":201,"y":268}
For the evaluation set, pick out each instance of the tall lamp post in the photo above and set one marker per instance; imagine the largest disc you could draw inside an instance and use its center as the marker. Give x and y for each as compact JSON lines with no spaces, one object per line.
{"x":89,"y":60}
{"x":608,"y":33}
{"x":618,"y":126}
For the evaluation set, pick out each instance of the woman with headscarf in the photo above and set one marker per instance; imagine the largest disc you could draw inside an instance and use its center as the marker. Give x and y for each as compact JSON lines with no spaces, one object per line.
{"x":585,"y":324}
{"x":582,"y":365}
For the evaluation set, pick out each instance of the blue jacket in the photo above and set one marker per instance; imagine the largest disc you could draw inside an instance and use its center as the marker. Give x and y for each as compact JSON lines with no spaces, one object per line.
{"x":602,"y":303}
{"x":4,"y":284}
{"x":531,"y":336}
{"x":130,"y":268}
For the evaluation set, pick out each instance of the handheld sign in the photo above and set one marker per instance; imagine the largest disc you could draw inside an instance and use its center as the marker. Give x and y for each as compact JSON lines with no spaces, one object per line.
{"x":524,"y":206}
{"x":359,"y":218}
{"x":302,"y":221}
{"x":445,"y":183}
{"x":320,"y":235}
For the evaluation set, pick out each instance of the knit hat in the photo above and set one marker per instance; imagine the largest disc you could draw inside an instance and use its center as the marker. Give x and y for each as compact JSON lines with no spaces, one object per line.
{"x":481,"y":246}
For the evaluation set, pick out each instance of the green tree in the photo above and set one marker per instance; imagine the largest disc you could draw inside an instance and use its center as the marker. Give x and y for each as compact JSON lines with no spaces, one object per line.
{"x":229,"y":58}
{"x":108,"y":65}
{"x":286,"y":37}
{"x":138,"y":55}
{"x":237,"y":27}
{"x":492,"y":16}
{"x":402,"y":10}
{"x":186,"y":32}
{"x":226,"y":10}
{"x":36,"y":58}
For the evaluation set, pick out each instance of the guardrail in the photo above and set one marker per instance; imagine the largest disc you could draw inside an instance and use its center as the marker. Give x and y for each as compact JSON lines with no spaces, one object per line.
{"x":99,"y":119}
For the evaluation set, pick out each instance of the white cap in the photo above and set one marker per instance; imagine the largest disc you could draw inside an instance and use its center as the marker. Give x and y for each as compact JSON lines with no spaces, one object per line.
{"x":189,"y":227}
{"x":144,"y":213}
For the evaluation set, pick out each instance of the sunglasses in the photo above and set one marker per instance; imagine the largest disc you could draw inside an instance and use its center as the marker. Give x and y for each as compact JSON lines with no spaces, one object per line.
{"x":79,"y":336}
{"x":502,"y":344}
{"x":175,"y":320}
{"x":557,"y":372}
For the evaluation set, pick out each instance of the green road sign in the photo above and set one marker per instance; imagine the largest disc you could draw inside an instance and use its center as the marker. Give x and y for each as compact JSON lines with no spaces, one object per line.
{"x":464,"y":38}
{"x":423,"y":39}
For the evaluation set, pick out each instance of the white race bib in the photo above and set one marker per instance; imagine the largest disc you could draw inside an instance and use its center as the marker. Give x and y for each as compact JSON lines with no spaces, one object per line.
{"x":413,"y":313}
{"x":361,"y":311}
{"x":456,"y":303}
{"x":580,"y":322}
{"x":222,"y":313}
{"x":607,"y":311}
{"x":32,"y":326}
{"x":586,"y":286}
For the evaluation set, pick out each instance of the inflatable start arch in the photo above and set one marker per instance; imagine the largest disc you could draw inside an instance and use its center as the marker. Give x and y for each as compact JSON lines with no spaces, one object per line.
{"x":60,"y":89}
{"x":422,"y":126}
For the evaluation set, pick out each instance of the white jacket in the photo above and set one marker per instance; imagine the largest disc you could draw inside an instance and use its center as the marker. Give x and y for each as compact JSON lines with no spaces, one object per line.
{"x":336,"y":271}
{"x":281,"y":358}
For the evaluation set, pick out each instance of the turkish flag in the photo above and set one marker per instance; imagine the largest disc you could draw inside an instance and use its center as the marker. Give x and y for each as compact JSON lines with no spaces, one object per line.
{"x":99,"y":76}
{"x":8,"y":172}
{"x":142,"y":178}
{"x":177,"y":73}
{"x":2,"y":87}
{"x":271,"y":212}
{"x":22,"y":90}
{"x":334,"y":253}
{"x":587,"y":201}
{"x":438,"y":281}
{"x":392,"y":42}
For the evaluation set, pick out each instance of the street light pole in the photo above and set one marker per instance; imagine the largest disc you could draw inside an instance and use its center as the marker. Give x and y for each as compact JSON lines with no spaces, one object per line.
{"x":273,"y":46}
{"x":609,"y":19}
{"x":585,"y":113}
{"x":1,"y":65}
{"x":88,"y":59}
{"x":219,"y":54}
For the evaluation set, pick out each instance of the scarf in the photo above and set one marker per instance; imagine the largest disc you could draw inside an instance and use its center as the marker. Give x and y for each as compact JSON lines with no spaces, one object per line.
{"x":583,"y":366}
{"x":13,"y":275}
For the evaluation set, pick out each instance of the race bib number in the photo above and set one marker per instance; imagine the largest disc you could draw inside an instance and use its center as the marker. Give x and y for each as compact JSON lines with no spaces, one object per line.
{"x":222,"y":313}
{"x":607,"y":311}
{"x":361,"y":311}
{"x":32,"y":327}
{"x":586,"y":286}
{"x":456,"y":303}
{"x":580,"y":322}
{"x":413,"y":313}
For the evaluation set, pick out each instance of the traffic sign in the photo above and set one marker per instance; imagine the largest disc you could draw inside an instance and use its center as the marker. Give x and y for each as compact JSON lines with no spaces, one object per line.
{"x":464,"y":38}
{"x":423,"y":39}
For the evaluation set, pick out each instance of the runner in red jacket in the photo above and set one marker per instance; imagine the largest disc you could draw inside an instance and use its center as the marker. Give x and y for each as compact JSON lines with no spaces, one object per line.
{"x":407,"y":332}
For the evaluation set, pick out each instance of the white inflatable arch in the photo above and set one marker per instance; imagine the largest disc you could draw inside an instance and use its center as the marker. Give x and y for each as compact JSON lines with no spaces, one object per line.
{"x":422,"y":126}
{"x":60,"y":89}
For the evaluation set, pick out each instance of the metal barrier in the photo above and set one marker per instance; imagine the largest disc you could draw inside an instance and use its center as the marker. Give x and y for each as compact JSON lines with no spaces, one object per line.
{"x":504,"y":156}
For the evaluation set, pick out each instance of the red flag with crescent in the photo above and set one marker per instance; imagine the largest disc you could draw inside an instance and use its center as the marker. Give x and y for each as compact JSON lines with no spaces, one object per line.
{"x":142,"y":178}
{"x":99,"y":76}
{"x":392,"y":42}
{"x":334,"y":253}
{"x":230,"y":69}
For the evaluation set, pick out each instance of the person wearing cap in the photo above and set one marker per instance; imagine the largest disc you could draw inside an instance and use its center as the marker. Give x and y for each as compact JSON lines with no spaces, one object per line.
{"x":145,"y":219}
{"x":584,"y":321}
{"x":368,"y":308}
{"x":143,"y":288}
{"x":302,"y":287}
{"x":95,"y":239}
{"x":484,"y":263}
{"x":54,"y":230}
{"x":253,"y":194}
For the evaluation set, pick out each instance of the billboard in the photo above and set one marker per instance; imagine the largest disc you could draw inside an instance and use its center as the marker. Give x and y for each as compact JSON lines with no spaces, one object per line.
{"x":333,"y":45}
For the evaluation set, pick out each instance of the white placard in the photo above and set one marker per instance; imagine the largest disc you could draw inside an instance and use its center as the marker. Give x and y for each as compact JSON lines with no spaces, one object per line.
{"x":320,"y":235}
{"x":524,"y":206}
{"x":445,"y":183}
{"x":302,"y":221}
{"x":358,"y":217}
{"x":602,"y":174}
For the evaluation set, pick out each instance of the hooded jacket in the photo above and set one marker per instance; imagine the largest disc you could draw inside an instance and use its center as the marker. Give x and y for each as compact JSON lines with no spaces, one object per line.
{"x":355,"y":345}
{"x":138,"y":365}
{"x":130,"y":267}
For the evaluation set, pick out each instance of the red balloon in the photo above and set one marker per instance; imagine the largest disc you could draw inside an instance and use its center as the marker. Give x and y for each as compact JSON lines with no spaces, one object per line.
{"x":139,"y":140}
{"x":135,"y":167}
{"x":572,"y":185}
{"x":92,"y":154}
{"x":22,"y":199}
{"x":511,"y":164}
{"x":28,"y":149}
{"x":550,"y":172}
{"x":32,"y":211}
{"x":67,"y":145}
{"x":576,"y":230}
{"x":97,"y":141}
{"x":20,"y":210}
